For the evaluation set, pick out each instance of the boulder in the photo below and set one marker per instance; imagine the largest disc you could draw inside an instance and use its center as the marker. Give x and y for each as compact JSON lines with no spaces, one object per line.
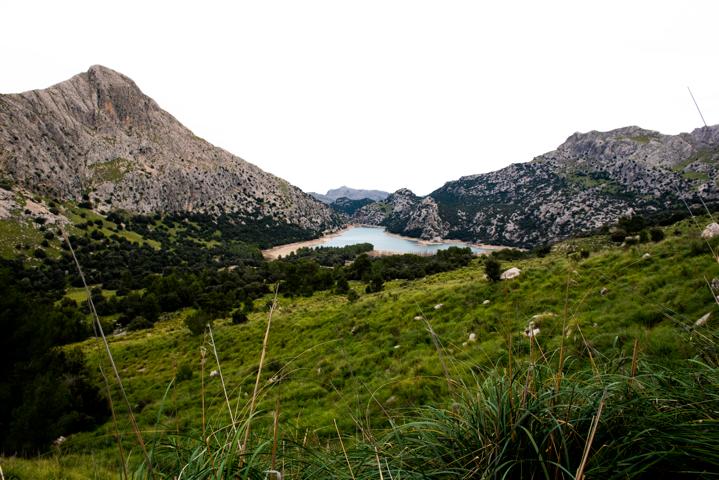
{"x":703,"y":320}
{"x":711,"y":230}
{"x":510,"y":274}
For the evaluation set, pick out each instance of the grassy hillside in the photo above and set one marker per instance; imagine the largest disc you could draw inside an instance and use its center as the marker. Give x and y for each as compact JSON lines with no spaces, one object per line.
{"x":362,"y":362}
{"x":366,"y":364}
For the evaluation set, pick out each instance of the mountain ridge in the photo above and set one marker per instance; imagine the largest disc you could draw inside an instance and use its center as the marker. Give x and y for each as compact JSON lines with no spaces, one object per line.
{"x":349,"y":193}
{"x":587,"y":183}
{"x":97,"y":135}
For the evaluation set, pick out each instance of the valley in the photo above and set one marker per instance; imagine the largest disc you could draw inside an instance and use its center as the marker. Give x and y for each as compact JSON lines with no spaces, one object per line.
{"x":384,"y":243}
{"x":171,"y":310}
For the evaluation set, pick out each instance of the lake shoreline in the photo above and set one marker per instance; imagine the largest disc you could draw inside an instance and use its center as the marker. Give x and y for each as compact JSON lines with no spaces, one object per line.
{"x":283,"y":250}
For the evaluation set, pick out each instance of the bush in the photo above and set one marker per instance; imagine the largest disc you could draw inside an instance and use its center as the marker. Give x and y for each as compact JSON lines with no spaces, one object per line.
{"x":139,"y":323}
{"x":352,"y":296}
{"x":239,"y":317}
{"x":542,"y":250}
{"x":198,"y":321}
{"x":617,"y":235}
{"x":656,"y":234}
{"x":492,"y":269}
{"x":376,"y":284}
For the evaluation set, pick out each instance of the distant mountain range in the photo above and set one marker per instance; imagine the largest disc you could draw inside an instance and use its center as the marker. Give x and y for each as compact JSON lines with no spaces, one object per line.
{"x":350,"y":194}
{"x":97,"y":136}
{"x":590,"y":181}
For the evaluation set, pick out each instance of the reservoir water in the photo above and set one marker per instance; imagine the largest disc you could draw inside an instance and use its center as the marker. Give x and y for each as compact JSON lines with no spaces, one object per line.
{"x":386,"y":242}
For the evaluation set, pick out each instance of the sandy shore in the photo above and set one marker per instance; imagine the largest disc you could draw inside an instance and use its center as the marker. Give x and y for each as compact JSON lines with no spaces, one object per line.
{"x":284,"y":250}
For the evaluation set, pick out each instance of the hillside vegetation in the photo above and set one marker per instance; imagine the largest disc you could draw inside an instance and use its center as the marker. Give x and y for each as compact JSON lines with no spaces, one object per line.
{"x":446,"y":376}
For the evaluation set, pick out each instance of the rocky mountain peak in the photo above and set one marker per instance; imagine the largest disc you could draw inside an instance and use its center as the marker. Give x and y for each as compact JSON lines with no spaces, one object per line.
{"x":404,"y":192}
{"x":588,"y":182}
{"x":97,"y":134}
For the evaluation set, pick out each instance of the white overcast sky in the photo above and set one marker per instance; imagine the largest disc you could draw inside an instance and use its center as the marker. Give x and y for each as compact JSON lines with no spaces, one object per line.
{"x":384,"y":94}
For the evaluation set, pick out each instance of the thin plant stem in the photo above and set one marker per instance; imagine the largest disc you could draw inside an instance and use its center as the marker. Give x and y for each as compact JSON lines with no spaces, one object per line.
{"x":136,"y":429}
{"x":349,"y":465}
{"x":263,"y":353}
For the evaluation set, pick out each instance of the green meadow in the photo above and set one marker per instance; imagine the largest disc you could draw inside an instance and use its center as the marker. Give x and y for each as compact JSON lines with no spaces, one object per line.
{"x":393,"y":384}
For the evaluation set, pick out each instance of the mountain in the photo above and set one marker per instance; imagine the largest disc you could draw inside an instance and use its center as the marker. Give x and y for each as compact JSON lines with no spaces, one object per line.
{"x":98,"y":136}
{"x":349,"y":193}
{"x":349,"y":207}
{"x":590,"y":181}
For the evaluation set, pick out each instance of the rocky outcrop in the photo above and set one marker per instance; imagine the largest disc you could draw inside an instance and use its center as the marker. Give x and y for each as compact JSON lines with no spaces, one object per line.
{"x":588,"y":182}
{"x":406,"y":213}
{"x":97,"y":134}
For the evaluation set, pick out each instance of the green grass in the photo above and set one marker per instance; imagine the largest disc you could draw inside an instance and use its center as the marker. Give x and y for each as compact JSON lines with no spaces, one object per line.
{"x":78,"y":215}
{"x":15,"y":232}
{"x":367,"y":364}
{"x":695,"y":175}
{"x":110,"y":171}
{"x":61,"y":467}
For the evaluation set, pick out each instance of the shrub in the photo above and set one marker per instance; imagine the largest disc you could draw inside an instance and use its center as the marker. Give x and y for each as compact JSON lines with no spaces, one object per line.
{"x":239,"y":317}
{"x":197,"y":322}
{"x":542,"y":250}
{"x":352,"y":296}
{"x":617,"y":235}
{"x":139,"y":323}
{"x":492,"y":269}
{"x":376,"y":284}
{"x":656,"y":234}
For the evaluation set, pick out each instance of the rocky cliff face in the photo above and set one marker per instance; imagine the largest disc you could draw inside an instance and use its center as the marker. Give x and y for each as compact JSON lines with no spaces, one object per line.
{"x":97,"y":134}
{"x":406,"y":213}
{"x":588,"y":182}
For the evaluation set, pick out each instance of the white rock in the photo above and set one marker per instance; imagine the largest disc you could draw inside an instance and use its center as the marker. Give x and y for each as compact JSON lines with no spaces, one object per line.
{"x":438,"y":306}
{"x":418,"y":317}
{"x":531,"y":332}
{"x":646,"y":255}
{"x":396,"y":347}
{"x":214,"y":373}
{"x":703,"y":320}
{"x":472,"y":337}
{"x":486,"y":302}
{"x":711,"y":230}
{"x":511,"y":273}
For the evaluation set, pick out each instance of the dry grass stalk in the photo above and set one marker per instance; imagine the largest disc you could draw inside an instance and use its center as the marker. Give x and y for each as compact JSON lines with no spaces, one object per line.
{"x":203,"y":356}
{"x":588,"y":445}
{"x":97,"y":323}
{"x":349,"y":465}
{"x":263,"y":353}
{"x":222,"y":379}
{"x":275,"y":431}
{"x":635,"y":357}
{"x":379,"y":464}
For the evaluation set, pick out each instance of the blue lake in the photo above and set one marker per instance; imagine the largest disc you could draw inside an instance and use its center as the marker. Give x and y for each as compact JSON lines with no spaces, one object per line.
{"x":386,"y":242}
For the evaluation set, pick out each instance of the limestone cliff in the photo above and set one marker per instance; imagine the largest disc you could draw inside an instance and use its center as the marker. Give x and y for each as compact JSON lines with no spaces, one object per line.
{"x":97,"y":134}
{"x":588,"y":182}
